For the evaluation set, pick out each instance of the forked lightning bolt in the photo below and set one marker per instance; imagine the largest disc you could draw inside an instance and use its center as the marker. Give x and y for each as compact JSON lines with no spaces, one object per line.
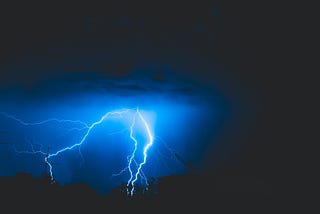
{"x":88,"y":128}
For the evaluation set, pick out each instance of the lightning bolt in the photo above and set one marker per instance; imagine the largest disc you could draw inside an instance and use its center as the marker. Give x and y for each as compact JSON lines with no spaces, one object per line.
{"x":145,"y":150}
{"x":88,"y":128}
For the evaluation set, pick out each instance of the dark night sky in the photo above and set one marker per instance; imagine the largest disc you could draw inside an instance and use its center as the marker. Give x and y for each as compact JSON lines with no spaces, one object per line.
{"x":229,"y":48}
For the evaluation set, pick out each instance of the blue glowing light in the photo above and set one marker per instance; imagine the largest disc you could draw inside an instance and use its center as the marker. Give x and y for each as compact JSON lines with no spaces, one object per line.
{"x":135,"y":172}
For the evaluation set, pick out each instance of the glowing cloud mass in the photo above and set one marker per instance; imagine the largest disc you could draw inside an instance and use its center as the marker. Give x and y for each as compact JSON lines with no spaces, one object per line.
{"x":104,"y":140}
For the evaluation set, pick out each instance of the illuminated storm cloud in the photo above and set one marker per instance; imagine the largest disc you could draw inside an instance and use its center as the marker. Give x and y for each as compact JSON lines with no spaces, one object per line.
{"x":83,"y":148}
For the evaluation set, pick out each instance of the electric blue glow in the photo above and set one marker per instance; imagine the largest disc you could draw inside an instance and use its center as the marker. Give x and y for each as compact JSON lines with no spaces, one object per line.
{"x":117,"y":114}
{"x":82,"y":143}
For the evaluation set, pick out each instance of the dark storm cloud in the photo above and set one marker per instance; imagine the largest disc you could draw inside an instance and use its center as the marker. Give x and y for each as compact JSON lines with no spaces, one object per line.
{"x":73,"y":71}
{"x":183,"y":90}
{"x":39,"y":87}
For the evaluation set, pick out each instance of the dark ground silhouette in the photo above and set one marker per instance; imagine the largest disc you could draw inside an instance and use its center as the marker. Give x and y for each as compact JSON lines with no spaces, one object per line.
{"x":178,"y":193}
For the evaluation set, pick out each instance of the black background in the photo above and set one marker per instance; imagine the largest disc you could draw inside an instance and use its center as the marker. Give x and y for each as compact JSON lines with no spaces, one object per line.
{"x":249,"y":39}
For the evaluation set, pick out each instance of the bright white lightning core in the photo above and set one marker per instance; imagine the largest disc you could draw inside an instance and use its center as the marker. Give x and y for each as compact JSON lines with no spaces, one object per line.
{"x":134,"y":167}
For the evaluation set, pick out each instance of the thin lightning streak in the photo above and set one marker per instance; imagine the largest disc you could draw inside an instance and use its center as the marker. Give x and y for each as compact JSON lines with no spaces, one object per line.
{"x":171,"y":151}
{"x":28,"y":152}
{"x":118,"y":132}
{"x":81,"y":156}
{"x":171,"y":156}
{"x":142,"y":175}
{"x":134,"y":150}
{"x":78,"y":129}
{"x":120,"y":173}
{"x":44,"y":121}
{"x":123,"y":170}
